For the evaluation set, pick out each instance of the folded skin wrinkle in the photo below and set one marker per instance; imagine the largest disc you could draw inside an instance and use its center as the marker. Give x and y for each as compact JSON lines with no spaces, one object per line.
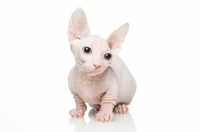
{"x":99,"y":76}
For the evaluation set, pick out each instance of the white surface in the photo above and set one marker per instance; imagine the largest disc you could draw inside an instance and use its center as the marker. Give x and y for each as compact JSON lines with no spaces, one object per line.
{"x":162,"y":50}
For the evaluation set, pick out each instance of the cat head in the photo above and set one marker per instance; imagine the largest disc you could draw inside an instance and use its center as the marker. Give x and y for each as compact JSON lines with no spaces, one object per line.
{"x":93,"y":54}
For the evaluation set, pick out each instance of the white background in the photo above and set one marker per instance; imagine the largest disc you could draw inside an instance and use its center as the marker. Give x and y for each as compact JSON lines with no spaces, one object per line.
{"x":162,"y":50}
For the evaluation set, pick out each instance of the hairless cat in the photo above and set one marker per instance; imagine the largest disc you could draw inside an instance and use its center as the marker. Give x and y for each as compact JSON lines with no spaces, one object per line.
{"x":99,"y":76}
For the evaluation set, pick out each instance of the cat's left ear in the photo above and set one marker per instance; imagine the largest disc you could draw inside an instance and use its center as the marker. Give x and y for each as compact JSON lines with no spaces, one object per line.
{"x":78,"y":26}
{"x":117,"y":38}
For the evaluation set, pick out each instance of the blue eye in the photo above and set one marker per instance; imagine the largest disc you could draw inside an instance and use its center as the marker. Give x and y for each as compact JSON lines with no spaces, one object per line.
{"x":107,"y":56}
{"x":87,"y":50}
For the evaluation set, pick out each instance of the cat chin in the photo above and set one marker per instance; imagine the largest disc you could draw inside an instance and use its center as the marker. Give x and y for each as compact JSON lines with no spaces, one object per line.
{"x":94,"y":73}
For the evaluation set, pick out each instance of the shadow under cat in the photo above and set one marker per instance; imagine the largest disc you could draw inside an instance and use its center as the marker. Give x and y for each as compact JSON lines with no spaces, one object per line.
{"x":121,"y":123}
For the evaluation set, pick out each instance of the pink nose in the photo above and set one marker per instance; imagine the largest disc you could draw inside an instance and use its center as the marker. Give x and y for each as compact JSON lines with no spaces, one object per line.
{"x":96,"y":66}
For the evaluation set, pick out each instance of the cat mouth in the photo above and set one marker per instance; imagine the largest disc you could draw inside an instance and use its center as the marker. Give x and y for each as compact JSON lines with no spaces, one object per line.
{"x":89,"y":71}
{"x":92,"y":72}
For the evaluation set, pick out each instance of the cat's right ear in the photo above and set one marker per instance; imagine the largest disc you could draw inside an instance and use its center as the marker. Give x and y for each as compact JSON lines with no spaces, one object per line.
{"x":78,"y":26}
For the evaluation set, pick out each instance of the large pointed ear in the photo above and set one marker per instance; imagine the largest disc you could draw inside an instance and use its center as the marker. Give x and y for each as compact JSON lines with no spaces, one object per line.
{"x":78,"y":26}
{"x":117,"y":38}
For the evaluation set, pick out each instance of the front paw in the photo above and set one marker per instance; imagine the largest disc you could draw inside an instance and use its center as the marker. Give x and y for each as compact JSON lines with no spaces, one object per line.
{"x":77,"y":113}
{"x":104,"y":116}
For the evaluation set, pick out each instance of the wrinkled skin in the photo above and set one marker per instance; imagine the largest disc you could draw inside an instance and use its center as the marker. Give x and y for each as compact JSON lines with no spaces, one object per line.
{"x":105,"y":84}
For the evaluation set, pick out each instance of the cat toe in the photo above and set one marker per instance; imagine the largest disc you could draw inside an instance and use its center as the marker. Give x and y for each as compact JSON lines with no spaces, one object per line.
{"x":121,"y":109}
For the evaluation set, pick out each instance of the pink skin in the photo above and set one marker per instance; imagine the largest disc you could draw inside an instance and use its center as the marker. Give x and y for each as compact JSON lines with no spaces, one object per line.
{"x":105,"y":84}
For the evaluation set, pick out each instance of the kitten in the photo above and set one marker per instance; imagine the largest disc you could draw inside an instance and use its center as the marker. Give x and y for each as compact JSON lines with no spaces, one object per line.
{"x":99,"y":76}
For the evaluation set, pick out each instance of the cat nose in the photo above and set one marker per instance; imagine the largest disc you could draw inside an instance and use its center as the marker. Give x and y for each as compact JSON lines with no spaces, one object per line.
{"x":96,"y":66}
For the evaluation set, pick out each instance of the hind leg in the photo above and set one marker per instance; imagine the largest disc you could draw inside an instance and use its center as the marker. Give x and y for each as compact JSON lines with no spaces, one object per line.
{"x":121,"y":109}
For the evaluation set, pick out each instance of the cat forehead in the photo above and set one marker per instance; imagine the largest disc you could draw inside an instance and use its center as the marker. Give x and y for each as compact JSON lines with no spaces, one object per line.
{"x":95,"y":41}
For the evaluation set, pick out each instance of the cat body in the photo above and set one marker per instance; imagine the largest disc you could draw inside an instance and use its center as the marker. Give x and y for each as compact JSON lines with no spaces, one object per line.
{"x":91,"y":89}
{"x":99,"y":76}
